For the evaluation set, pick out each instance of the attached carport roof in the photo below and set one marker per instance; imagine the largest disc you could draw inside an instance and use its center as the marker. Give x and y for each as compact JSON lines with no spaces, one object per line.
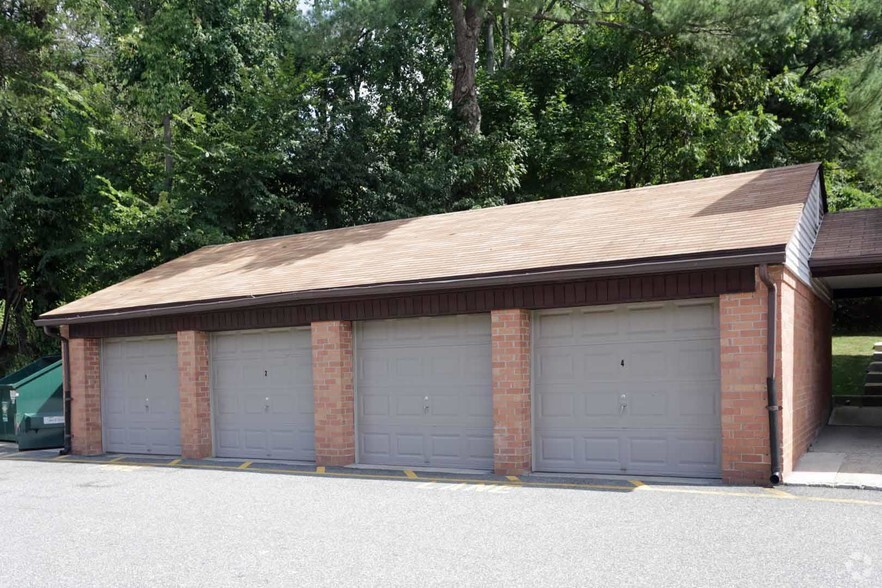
{"x":740,"y":219}
{"x":848,"y":252}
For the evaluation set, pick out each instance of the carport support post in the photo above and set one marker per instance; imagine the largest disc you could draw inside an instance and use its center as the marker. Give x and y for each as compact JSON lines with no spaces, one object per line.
{"x":85,"y":389}
{"x":333,"y":390}
{"x":195,"y":394}
{"x":512,"y":433}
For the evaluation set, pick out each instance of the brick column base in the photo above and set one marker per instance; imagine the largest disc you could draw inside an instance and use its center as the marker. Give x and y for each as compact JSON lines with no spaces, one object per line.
{"x":85,"y":390}
{"x":512,"y":431}
{"x":195,"y":394}
{"x":334,"y":393}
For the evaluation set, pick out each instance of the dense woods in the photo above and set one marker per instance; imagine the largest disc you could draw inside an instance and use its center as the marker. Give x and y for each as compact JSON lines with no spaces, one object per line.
{"x":133,"y":131}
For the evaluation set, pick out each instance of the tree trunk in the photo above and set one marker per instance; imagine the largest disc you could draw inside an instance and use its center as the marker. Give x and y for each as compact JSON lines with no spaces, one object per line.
{"x":169,"y":158}
{"x":491,"y":48}
{"x":506,"y":38}
{"x":466,"y":31}
{"x":11,"y":302}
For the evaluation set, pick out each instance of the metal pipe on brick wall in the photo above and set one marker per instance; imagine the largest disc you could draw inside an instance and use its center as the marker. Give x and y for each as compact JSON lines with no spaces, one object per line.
{"x":771,"y":384}
{"x":55,"y":332}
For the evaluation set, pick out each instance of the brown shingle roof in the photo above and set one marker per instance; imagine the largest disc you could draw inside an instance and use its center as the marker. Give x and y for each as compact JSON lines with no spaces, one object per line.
{"x":724,"y":214}
{"x":848,"y":240}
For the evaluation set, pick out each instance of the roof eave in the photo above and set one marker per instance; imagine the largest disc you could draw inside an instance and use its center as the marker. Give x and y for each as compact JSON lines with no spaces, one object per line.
{"x":717,"y":260}
{"x":846,"y":265}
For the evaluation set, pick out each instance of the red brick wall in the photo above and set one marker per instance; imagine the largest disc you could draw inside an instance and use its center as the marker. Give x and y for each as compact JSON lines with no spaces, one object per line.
{"x":512,"y":433}
{"x":802,"y":373}
{"x":195,"y":394}
{"x":806,"y":395}
{"x":85,"y":389}
{"x":334,"y":393}
{"x":743,"y":401}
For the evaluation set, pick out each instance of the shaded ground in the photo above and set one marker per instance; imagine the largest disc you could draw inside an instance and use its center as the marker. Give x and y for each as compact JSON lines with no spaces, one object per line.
{"x":851,"y":357}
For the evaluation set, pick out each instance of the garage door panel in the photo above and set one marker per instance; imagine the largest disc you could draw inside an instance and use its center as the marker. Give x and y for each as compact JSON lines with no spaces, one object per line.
{"x":596,"y":404}
{"x":659,"y":413}
{"x":424,"y":392}
{"x":647,"y":452}
{"x":558,"y":451}
{"x":696,"y":319}
{"x":556,"y":328}
{"x":376,"y":446}
{"x":227,"y":440}
{"x":479,"y":407}
{"x":602,"y":451}
{"x":694,"y":360}
{"x":409,"y":445}
{"x":695,"y":405}
{"x":140,"y":396}
{"x":699,"y":452}
{"x":282,"y":440}
{"x":405,"y":367}
{"x":599,"y":364}
{"x":646,"y":321}
{"x":375,"y":404}
{"x":597,"y":325}
{"x":475,"y":364}
{"x":557,"y":404}
{"x":449,"y":368}
{"x":651,"y":405}
{"x":135,"y":406}
{"x":555,"y":366}
{"x":646,"y":360}
{"x":262,"y":393}
{"x":409,"y":406}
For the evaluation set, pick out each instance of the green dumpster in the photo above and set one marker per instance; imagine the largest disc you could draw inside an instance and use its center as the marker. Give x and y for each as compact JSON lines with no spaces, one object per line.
{"x":32,"y":405}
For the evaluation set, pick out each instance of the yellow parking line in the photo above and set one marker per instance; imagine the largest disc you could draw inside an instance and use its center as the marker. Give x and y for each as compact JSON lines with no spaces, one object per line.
{"x":779,"y":493}
{"x":174,"y":462}
{"x":245,"y":465}
{"x":637,"y":483}
{"x":513,"y":478}
{"x":117,"y":459}
{"x":769,"y":495}
{"x":320,"y":470}
{"x":60,"y":457}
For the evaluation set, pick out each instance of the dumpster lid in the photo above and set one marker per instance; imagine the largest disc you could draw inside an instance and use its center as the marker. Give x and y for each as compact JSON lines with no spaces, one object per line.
{"x":31,"y":372}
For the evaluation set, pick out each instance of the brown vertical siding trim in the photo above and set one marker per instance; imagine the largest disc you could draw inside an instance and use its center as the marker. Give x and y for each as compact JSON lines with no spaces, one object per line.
{"x":590,"y":293}
{"x":696,"y":284}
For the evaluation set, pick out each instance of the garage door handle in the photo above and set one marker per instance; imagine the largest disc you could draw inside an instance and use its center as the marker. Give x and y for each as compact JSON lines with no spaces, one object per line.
{"x":426,"y":406}
{"x":266,"y":406}
{"x":147,"y":404}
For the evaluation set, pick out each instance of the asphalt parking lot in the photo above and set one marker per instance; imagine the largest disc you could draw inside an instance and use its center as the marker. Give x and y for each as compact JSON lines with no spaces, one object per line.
{"x":114,"y":521}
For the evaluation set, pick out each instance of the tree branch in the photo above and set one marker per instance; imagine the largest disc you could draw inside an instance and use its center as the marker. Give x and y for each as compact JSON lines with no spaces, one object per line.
{"x":589,"y":21}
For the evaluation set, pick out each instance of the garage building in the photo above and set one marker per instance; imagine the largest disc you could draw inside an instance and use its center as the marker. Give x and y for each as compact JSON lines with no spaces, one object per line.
{"x":616,"y":333}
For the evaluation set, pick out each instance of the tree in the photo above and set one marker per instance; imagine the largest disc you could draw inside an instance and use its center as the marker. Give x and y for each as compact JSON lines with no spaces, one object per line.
{"x":467,"y":16}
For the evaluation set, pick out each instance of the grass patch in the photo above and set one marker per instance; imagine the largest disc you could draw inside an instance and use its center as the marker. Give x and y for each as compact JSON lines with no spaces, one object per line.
{"x":851,"y":356}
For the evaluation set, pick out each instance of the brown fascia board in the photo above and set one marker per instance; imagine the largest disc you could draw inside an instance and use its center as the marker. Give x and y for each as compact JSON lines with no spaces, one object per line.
{"x":844,"y":266}
{"x":659,"y":265}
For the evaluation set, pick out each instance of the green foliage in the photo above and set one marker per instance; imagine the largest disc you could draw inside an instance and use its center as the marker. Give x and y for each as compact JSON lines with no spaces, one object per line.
{"x":133,"y":132}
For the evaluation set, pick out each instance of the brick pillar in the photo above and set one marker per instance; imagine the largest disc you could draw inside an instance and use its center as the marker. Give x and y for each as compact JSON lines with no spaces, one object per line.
{"x":195,"y":394}
{"x":85,"y":390}
{"x":334,"y":393}
{"x":512,"y":431}
{"x":743,"y":401}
